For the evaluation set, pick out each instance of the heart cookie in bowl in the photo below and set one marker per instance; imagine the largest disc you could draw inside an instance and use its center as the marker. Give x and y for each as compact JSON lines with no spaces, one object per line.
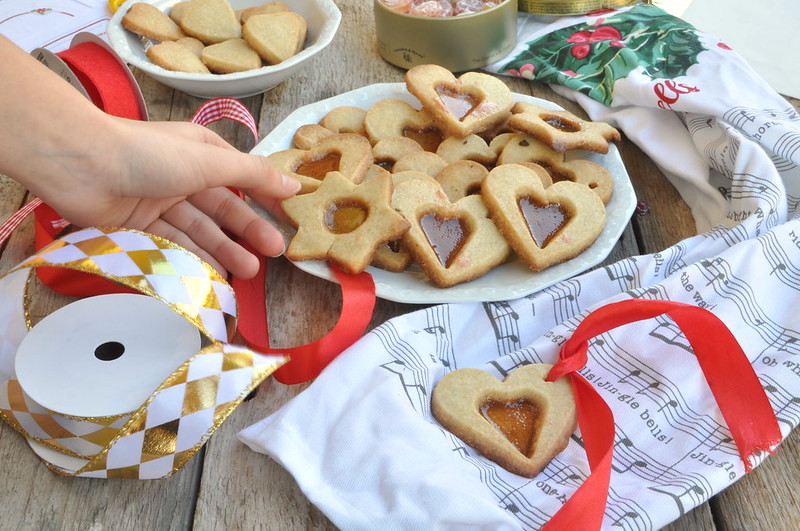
{"x":544,"y":226}
{"x":451,"y":242}
{"x":521,"y":423}
{"x":472,"y":103}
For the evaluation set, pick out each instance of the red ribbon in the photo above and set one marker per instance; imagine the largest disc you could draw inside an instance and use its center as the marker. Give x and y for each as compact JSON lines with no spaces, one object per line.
{"x":735,"y":386}
{"x":306,"y":361}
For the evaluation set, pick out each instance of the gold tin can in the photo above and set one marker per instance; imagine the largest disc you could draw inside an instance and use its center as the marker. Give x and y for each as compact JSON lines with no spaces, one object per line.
{"x":458,"y":43}
{"x":570,"y":7}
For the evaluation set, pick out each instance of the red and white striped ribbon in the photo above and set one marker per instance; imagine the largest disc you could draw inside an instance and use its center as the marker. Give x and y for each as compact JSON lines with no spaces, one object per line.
{"x":221,"y":108}
{"x":11,"y":224}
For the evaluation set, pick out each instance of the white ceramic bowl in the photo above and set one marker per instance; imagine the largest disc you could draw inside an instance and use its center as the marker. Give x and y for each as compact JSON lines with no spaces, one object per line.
{"x":322,"y":18}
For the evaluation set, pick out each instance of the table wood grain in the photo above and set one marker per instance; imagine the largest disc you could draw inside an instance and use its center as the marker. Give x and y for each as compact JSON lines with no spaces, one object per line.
{"x":227,"y":486}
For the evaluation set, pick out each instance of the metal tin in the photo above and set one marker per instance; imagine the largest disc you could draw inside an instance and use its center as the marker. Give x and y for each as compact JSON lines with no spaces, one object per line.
{"x":458,"y":43}
{"x":570,"y":7}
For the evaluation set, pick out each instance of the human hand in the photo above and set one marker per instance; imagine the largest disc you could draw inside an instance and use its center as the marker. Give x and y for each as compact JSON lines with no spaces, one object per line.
{"x":171,"y":179}
{"x":167,"y":178}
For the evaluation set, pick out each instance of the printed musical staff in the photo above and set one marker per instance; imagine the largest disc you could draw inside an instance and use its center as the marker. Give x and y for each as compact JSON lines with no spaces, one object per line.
{"x":503,"y":319}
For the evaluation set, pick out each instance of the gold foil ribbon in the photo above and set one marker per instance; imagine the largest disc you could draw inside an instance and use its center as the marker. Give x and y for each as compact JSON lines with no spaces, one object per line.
{"x":181,"y":414}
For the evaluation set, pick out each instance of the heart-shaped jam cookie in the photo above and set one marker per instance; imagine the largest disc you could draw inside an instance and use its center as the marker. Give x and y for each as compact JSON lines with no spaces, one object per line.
{"x":562,"y":130}
{"x":346,"y":153}
{"x":343,"y":222}
{"x":392,"y":117}
{"x":472,"y":103}
{"x":544,"y":226}
{"x":520,"y":423}
{"x":451,"y":242}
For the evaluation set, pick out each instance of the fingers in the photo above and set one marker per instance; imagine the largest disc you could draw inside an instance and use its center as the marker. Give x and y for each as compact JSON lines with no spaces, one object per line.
{"x":161,"y":228}
{"x":235,"y":215}
{"x":191,"y":228}
{"x":227,"y":166}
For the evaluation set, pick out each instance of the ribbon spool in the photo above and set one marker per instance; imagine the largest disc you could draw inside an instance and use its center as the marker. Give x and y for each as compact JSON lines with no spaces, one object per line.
{"x":569,"y":7}
{"x":92,"y":68}
{"x":176,"y":418}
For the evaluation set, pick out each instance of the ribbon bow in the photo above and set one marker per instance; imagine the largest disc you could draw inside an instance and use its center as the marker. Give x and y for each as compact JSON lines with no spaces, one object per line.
{"x":734,"y":384}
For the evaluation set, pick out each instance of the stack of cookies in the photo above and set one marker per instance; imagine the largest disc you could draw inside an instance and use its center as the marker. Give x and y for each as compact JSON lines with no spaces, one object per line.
{"x":456,"y":186}
{"x":208,"y":36}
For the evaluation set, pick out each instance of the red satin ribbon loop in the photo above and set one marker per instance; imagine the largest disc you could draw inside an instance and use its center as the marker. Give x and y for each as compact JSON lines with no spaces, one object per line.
{"x":306,"y":361}
{"x":735,"y":386}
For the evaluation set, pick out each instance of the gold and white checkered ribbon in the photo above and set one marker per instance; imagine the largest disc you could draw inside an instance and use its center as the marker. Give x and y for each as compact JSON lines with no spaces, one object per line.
{"x":160,"y":436}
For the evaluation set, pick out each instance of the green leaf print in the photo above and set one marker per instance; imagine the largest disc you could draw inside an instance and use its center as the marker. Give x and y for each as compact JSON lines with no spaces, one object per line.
{"x":590,"y":58}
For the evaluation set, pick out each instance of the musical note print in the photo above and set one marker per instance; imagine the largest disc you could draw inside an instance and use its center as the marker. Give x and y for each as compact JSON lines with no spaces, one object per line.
{"x":684,"y":496}
{"x":503,"y":319}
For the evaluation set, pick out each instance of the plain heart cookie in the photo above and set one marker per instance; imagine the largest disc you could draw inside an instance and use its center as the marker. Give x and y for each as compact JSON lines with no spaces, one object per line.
{"x":275,"y":36}
{"x":472,"y":103}
{"x":210,"y":21}
{"x":520,"y":423}
{"x":544,"y":226}
{"x":451,"y":242}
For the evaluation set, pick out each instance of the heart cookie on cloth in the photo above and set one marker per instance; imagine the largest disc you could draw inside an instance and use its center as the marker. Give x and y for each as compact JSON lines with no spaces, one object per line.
{"x":544,"y":226}
{"x":472,"y":103}
{"x":344,"y":222}
{"x":520,"y":423}
{"x":391,"y":118}
{"x":347,"y":153}
{"x":562,"y":130}
{"x":451,"y":242}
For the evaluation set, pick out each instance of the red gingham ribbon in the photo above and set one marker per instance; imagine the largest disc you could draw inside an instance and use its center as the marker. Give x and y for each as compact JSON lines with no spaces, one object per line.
{"x":220,"y":108}
{"x":11,"y":224}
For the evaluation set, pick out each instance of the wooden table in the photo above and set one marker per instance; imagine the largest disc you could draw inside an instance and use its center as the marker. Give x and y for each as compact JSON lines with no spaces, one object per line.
{"x":227,"y":486}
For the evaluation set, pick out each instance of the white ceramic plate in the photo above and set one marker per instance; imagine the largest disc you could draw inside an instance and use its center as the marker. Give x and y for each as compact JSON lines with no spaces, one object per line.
{"x":509,"y":281}
{"x":322,"y":18}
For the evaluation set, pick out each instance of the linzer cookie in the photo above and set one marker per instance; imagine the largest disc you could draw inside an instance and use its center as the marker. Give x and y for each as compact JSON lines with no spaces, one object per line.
{"x":451,"y":242}
{"x":472,"y":103}
{"x":520,"y":423}
{"x":544,"y":226}
{"x":343,"y":222}
{"x":394,"y":256}
{"x":346,"y":153}
{"x":471,"y":147}
{"x":392,"y":117}
{"x":562,"y":130}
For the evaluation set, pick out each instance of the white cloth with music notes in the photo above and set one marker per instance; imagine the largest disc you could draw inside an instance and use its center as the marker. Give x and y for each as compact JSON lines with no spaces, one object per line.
{"x":362,"y":443}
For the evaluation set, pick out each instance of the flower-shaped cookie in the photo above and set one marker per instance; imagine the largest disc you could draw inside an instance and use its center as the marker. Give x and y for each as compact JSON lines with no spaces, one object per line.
{"x":473,"y":103}
{"x":545,"y":226}
{"x":451,"y":242}
{"x":344,"y":222}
